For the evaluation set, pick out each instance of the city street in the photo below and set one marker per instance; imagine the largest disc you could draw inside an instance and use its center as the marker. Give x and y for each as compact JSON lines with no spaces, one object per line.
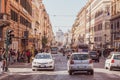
{"x":23,"y":71}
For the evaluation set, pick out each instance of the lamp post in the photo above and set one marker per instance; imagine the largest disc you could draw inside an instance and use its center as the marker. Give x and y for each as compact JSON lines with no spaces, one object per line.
{"x":39,"y":40}
{"x":105,"y":40}
{"x":35,"y":30}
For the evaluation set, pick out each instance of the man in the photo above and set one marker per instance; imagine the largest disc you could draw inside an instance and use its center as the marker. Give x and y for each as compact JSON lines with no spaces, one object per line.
{"x":28,"y":54}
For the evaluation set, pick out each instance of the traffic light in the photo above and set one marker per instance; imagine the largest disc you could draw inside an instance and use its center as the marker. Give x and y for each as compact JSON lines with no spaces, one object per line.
{"x":9,"y":37}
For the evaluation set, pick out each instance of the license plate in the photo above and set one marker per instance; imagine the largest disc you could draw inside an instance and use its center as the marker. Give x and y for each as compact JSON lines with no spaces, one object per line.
{"x":42,"y":65}
{"x":81,"y":67}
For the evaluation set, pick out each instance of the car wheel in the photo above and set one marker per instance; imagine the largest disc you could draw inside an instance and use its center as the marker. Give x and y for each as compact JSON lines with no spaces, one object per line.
{"x":110,"y":68}
{"x":91,"y":72}
{"x":70,"y":72}
{"x":98,"y":60}
{"x":33,"y":69}
{"x":106,"y":68}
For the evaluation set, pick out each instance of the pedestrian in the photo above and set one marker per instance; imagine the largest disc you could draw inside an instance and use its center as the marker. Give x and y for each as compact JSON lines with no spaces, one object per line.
{"x":35,"y":52}
{"x":28,"y":54}
{"x":4,"y":61}
{"x":1,"y":58}
{"x":18,"y":56}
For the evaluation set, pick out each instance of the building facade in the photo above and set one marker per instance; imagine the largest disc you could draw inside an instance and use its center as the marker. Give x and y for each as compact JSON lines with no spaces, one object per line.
{"x":115,"y":24}
{"x":99,"y":22}
{"x":60,"y":37}
{"x":20,"y":19}
{"x":29,"y":21}
{"x":92,"y":25}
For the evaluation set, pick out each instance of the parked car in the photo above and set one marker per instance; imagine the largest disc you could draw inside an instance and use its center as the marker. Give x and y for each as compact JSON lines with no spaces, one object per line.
{"x":80,"y":61}
{"x":113,"y":61}
{"x":43,"y":61}
{"x":94,"y":55}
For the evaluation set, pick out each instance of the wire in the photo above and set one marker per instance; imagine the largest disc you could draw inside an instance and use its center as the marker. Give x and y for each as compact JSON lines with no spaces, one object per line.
{"x":62,"y":26}
{"x":62,"y":15}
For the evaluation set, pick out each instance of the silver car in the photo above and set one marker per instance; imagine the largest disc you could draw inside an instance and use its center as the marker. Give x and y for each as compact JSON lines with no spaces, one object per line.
{"x":80,"y":61}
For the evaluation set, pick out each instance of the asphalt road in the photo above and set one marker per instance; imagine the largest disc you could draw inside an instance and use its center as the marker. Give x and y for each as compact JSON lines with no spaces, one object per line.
{"x":24,"y":72}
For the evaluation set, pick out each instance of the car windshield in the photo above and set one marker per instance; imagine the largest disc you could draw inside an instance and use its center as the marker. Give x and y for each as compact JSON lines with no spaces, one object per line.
{"x":80,"y":57}
{"x":44,"y":56}
{"x":92,"y":53}
{"x":54,"y":48}
{"x":117,"y":57}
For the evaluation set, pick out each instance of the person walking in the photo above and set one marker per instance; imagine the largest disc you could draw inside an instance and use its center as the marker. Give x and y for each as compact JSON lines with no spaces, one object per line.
{"x":35,"y":52}
{"x":18,"y":56}
{"x":28,"y":54}
{"x":1,"y":63}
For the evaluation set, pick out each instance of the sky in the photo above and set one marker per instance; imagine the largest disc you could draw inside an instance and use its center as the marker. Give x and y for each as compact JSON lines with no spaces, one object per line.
{"x":63,"y":13}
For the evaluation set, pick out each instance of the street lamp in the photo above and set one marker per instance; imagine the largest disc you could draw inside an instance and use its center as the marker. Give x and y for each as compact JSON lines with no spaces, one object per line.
{"x":105,"y":40}
{"x":35,"y":30}
{"x":39,"y":40}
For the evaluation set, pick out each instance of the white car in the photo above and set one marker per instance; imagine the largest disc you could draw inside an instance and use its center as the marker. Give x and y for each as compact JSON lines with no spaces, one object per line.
{"x":80,"y":61}
{"x":43,"y":61}
{"x":113,"y":61}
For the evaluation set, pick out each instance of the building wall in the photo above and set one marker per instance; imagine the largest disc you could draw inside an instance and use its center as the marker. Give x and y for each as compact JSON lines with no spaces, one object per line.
{"x":93,"y":24}
{"x":22,"y":19}
{"x":15,"y":10}
{"x":115,"y":24}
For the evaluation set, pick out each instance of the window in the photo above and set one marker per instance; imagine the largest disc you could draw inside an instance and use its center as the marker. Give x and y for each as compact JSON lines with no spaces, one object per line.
{"x":25,"y":22}
{"x":26,"y":5}
{"x":17,"y":0}
{"x":118,"y":25}
{"x":80,"y":57}
{"x":117,"y":57}
{"x":14,"y":16}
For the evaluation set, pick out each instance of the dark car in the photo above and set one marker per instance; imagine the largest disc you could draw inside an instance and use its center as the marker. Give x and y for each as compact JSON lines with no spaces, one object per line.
{"x":94,"y":55}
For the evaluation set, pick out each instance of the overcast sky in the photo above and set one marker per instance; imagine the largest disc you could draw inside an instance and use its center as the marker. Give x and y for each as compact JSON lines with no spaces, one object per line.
{"x":62,"y":13}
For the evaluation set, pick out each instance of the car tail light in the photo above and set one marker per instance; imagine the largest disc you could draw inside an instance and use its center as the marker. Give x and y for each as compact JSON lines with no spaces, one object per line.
{"x":90,"y":61}
{"x":71,"y":62}
{"x":112,"y":61}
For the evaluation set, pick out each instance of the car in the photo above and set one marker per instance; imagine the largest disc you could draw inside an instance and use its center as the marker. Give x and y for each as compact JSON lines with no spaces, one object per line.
{"x":43,"y":61}
{"x":113,"y":61}
{"x":54,"y":50}
{"x":80,"y":61}
{"x":94,"y":55}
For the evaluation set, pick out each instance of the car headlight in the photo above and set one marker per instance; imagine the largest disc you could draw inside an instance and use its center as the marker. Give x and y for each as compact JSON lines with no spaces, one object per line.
{"x":51,"y":62}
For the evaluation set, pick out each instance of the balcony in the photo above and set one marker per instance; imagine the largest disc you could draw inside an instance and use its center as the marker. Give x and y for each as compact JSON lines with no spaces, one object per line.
{"x":4,"y":20}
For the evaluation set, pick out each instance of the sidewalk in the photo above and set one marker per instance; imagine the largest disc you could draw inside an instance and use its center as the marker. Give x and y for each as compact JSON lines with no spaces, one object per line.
{"x":20,"y":65}
{"x":15,"y":65}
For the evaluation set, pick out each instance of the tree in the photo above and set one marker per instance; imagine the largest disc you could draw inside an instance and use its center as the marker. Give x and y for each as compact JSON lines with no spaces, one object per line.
{"x":44,"y":41}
